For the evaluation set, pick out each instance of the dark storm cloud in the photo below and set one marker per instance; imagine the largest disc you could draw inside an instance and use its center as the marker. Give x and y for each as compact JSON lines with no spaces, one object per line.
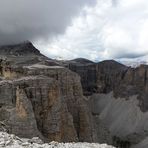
{"x":33,"y":19}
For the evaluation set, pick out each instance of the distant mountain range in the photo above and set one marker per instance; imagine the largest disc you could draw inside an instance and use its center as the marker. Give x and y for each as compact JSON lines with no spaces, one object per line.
{"x":135,"y":62}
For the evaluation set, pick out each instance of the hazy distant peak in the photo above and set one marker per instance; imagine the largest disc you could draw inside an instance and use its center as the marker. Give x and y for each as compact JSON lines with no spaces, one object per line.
{"x":19,"y":49}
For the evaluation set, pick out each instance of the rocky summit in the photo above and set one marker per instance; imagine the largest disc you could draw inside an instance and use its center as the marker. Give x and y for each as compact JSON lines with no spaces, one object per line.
{"x":72,"y":101}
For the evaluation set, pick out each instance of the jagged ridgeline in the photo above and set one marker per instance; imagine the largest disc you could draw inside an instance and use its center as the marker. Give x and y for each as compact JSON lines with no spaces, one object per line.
{"x":72,"y":101}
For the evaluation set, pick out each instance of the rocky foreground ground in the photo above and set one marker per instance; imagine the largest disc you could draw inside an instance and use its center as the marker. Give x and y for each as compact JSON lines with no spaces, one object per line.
{"x":12,"y":141}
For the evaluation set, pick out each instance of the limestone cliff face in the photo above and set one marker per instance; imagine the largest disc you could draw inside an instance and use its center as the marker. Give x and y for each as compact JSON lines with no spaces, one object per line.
{"x":135,"y":83}
{"x":33,"y":107}
{"x":72,"y":97}
{"x":87,"y":71}
{"x":120,"y":113}
{"x":41,"y":98}
{"x":97,"y":77}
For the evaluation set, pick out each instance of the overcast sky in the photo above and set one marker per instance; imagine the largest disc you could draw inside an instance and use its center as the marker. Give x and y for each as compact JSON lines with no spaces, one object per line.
{"x":97,"y":30}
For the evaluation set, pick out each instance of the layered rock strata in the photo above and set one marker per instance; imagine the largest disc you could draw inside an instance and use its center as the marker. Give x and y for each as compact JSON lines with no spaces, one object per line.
{"x":42,"y":98}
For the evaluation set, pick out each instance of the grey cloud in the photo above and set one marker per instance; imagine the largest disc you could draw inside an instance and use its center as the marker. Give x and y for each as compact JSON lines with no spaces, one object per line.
{"x":123,"y":54}
{"x":114,"y":2}
{"x":34,"y":19}
{"x":109,"y":30}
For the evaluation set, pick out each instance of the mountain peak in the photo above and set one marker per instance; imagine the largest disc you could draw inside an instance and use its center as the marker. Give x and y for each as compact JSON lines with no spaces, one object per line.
{"x":19,"y":49}
{"x":111,"y":63}
{"x":82,"y":61}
